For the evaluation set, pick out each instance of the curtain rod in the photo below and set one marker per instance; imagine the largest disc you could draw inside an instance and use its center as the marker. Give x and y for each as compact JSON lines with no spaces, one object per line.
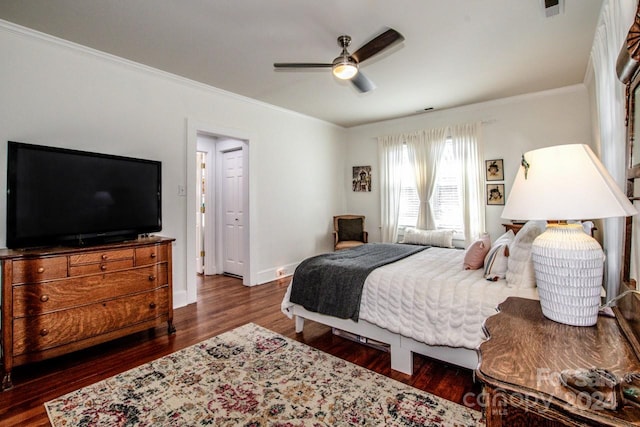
{"x":482,"y":122}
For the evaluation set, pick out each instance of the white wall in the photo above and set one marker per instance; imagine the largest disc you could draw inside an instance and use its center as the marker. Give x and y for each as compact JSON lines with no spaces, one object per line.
{"x":60,"y":94}
{"x":511,"y":126}
{"x":57,"y":93}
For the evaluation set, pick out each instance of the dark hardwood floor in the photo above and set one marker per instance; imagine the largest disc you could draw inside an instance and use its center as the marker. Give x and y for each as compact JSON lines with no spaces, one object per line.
{"x":223,"y":304}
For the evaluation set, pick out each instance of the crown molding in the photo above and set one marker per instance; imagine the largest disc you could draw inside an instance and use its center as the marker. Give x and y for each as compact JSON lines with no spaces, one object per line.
{"x":26,"y":32}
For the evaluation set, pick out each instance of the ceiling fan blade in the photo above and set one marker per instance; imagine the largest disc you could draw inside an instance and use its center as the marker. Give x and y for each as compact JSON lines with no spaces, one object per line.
{"x":301,"y":65}
{"x":378,"y":44}
{"x":362,"y":83}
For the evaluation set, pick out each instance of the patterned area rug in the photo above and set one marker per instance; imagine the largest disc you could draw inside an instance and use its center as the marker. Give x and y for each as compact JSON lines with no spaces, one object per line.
{"x":253,"y":377}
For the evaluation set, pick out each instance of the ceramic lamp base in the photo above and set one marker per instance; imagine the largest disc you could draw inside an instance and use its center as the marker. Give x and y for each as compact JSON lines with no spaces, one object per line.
{"x":568,"y":266}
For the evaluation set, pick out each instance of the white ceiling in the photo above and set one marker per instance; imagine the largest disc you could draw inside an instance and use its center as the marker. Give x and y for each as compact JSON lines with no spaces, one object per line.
{"x":456,"y":52}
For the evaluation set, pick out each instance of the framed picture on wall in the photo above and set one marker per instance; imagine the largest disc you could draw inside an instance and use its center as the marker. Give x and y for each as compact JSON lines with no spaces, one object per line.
{"x":494,"y":170}
{"x":495,"y":194}
{"x":361,"y":178}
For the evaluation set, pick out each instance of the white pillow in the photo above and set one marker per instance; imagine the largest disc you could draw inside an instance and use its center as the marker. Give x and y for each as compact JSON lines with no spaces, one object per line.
{"x":415,"y":236}
{"x":587,"y":226}
{"x":495,"y":263}
{"x":520,"y":265}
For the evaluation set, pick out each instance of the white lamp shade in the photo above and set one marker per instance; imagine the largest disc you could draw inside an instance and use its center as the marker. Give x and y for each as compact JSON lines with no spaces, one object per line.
{"x":565,"y":182}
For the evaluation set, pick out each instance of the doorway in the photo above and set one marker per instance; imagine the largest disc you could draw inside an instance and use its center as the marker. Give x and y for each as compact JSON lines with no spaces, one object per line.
{"x":220,"y":211}
{"x":196,"y":130}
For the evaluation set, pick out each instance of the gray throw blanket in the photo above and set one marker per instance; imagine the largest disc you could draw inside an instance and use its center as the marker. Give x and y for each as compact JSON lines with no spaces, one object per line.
{"x":332,"y":283}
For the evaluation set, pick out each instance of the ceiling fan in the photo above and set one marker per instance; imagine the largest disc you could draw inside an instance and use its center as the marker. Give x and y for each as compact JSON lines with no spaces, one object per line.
{"x":346,"y":66}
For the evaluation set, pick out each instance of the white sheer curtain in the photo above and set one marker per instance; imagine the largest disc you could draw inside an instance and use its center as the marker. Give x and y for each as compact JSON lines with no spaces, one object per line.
{"x":425,"y":150}
{"x":390,"y":157}
{"x":467,"y":147}
{"x":615,"y":19}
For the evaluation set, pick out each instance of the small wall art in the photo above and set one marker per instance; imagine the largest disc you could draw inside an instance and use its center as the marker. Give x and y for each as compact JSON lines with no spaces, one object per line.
{"x":495,"y":194}
{"x":494,"y":170}
{"x":361,"y":178}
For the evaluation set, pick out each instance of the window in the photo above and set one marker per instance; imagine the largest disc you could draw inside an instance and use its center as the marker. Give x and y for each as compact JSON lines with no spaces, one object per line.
{"x":459,"y":172}
{"x":446,"y":201}
{"x":409,"y":202}
{"x":447,"y":196}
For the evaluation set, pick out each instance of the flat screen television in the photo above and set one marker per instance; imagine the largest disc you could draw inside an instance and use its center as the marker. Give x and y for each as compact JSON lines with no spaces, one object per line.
{"x":58,"y":196}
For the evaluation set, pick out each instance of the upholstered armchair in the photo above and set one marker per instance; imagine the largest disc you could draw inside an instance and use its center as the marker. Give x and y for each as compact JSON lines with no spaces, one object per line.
{"x":348,"y":231}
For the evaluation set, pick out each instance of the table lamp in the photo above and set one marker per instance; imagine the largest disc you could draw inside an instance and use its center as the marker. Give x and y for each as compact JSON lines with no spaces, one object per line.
{"x":561,"y":183}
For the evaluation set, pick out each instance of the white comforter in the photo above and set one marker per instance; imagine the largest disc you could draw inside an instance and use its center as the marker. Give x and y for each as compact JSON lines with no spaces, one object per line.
{"x":429,"y":297}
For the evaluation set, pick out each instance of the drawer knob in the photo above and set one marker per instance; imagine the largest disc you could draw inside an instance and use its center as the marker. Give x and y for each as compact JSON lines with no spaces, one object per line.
{"x":103,"y":267}
{"x":40,"y":270}
{"x":152,"y":305}
{"x":153,"y":255}
{"x":44,"y":332}
{"x":152,"y":277}
{"x":104,"y":256}
{"x":44,"y":298}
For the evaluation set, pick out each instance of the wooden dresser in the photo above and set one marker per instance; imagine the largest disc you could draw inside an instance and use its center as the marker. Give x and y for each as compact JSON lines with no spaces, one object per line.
{"x":513,"y":227}
{"x":520,"y":366}
{"x":59,"y":300}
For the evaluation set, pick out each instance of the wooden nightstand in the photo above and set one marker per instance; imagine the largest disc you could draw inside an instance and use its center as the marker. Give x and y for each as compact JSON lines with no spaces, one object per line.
{"x":521,"y":362}
{"x":518,"y":226}
{"x":514,"y":227}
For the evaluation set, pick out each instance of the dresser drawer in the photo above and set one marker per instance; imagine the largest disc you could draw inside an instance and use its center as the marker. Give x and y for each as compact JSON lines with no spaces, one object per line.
{"x":33,"y":299}
{"x":102,"y":267}
{"x":33,"y":334}
{"x":36,"y":270}
{"x":101,"y":256}
{"x":151,"y":254}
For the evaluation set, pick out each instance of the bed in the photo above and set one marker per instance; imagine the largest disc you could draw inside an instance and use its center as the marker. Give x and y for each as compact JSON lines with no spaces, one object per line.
{"x":425,"y":303}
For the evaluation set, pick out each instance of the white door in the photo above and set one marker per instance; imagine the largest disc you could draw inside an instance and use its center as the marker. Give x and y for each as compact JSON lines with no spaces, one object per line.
{"x":233,"y":217}
{"x":200,"y":230}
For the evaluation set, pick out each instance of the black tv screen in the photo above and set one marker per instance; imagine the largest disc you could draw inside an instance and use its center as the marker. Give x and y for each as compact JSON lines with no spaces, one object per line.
{"x":61,"y":196}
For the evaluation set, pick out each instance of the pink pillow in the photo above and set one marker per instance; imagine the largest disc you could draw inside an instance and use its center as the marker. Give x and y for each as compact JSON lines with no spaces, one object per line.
{"x":474,"y":256}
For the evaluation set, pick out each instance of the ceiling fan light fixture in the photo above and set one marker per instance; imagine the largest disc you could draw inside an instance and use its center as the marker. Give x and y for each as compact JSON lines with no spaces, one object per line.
{"x":345,"y":67}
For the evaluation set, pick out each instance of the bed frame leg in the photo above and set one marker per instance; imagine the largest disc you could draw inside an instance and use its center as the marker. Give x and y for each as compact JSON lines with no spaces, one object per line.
{"x":402,"y":360}
{"x":299,"y":324}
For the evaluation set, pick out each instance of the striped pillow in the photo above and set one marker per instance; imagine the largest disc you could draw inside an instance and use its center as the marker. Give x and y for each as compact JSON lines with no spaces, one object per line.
{"x":496,"y":261}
